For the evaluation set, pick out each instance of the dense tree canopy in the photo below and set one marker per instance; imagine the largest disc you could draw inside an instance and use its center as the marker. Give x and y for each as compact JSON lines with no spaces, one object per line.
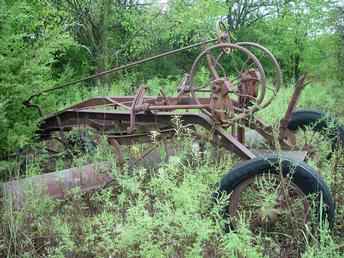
{"x":48,"y":42}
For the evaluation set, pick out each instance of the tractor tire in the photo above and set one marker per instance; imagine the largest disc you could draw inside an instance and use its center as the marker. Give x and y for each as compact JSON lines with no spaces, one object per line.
{"x":300,"y":174}
{"x":319,"y":122}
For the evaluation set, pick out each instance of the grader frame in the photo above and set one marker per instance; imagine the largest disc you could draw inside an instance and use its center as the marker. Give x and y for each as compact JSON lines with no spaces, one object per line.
{"x":224,"y":106}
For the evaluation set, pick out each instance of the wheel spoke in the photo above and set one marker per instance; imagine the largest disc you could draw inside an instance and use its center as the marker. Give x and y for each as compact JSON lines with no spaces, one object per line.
{"x":220,"y":56}
{"x":274,"y":207}
{"x":216,"y":63}
{"x":203,"y":90}
{"x":236,"y":64}
{"x":239,"y":57}
{"x":272,"y":89}
{"x":314,"y":132}
{"x":244,"y":64}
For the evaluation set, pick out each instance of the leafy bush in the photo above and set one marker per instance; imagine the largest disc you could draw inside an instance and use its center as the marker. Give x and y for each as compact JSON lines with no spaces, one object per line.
{"x":31,"y":43}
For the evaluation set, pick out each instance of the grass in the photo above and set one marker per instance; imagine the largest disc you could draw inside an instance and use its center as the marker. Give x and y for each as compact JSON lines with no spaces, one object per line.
{"x":164,"y":212}
{"x":158,"y":213}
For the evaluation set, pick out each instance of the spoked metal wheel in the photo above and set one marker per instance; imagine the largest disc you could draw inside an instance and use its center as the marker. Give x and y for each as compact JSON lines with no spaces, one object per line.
{"x":279,"y":200}
{"x":236,"y":81}
{"x":277,"y":211}
{"x":273,"y":72}
{"x":264,"y":55}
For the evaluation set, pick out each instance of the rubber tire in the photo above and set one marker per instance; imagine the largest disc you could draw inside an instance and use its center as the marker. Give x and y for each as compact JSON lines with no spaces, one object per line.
{"x":320,"y":122}
{"x":303,"y":176}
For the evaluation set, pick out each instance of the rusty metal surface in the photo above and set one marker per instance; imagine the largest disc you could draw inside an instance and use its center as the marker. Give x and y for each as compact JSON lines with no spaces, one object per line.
{"x":96,"y":176}
{"x":72,"y":119}
{"x":87,"y":178}
{"x":300,"y":85}
{"x":222,"y":106}
{"x":129,"y":119}
{"x":225,"y":106}
{"x":58,"y":184}
{"x":128,"y":115}
{"x":277,"y":77}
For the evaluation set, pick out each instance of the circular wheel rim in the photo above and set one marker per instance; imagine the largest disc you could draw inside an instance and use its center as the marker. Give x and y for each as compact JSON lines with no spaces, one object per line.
{"x":278,"y":78}
{"x":250,"y":56}
{"x":257,"y":223}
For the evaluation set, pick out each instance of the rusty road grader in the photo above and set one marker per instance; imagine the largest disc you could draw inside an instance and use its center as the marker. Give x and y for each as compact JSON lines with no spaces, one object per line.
{"x":225,"y":107}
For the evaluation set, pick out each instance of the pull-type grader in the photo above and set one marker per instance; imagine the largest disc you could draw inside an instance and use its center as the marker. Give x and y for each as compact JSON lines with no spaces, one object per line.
{"x":225,"y":105}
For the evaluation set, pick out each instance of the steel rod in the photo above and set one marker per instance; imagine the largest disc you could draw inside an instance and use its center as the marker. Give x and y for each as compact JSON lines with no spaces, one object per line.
{"x":116,"y":69}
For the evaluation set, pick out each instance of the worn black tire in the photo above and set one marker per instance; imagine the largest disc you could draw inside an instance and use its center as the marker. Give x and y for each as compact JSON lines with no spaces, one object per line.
{"x":302,"y":175}
{"x":319,"y":122}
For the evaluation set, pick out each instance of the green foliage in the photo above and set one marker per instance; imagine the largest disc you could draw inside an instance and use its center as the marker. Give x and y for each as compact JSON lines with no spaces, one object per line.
{"x":145,"y":213}
{"x":299,"y":34}
{"x":321,"y":100}
{"x":49,"y":42}
{"x":168,"y":213}
{"x":164,"y":212}
{"x":340,"y":42}
{"x":31,"y":43}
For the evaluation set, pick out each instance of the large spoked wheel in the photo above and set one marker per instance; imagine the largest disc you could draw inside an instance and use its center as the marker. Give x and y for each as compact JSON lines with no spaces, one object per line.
{"x":274,"y":72}
{"x":279,"y":200}
{"x":263,"y":54}
{"x":236,"y":80}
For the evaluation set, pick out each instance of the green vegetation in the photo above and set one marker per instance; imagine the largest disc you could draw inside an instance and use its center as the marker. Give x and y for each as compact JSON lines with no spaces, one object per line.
{"x":151,"y":212}
{"x":44,"y":43}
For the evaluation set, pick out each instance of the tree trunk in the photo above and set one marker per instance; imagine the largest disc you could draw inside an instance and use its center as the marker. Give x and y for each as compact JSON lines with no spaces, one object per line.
{"x":297,"y":67}
{"x":103,"y":55}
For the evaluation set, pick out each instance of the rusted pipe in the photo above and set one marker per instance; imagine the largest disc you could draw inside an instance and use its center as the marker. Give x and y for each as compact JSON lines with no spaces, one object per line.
{"x":86,"y":178}
{"x":143,"y":107}
{"x":300,"y":85}
{"x":58,"y":184}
